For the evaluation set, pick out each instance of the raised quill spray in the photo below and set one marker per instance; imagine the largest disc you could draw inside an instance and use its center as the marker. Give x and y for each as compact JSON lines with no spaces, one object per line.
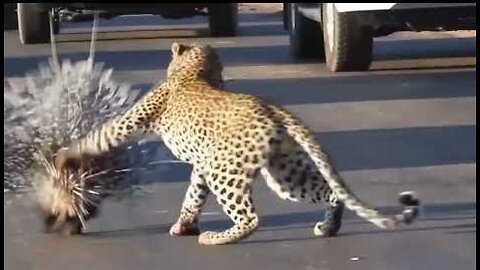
{"x":43,"y":112}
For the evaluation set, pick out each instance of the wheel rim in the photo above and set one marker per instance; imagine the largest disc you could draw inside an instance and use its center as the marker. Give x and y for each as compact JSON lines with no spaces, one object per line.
{"x":330,"y":25}
{"x":293,"y":16}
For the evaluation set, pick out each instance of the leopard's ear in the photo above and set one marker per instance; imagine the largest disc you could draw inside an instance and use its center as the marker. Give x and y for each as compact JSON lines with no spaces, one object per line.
{"x":177,"y":49}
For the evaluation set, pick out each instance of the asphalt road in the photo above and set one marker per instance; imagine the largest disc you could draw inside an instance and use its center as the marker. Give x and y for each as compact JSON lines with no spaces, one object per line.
{"x":408,"y":124}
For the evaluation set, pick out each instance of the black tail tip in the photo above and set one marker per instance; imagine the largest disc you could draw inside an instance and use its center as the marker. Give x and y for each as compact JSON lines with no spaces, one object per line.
{"x":412,"y":203}
{"x":409,"y":198}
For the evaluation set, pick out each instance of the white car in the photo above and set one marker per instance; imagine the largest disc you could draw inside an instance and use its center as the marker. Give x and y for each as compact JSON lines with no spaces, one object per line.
{"x":343,"y":32}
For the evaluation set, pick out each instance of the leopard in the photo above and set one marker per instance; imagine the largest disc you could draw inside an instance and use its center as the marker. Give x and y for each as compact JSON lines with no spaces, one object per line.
{"x":231,"y":139}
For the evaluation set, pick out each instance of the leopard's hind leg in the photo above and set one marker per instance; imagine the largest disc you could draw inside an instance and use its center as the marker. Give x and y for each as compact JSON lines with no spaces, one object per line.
{"x":293,"y":176}
{"x":235,"y":197}
{"x":230,"y":176}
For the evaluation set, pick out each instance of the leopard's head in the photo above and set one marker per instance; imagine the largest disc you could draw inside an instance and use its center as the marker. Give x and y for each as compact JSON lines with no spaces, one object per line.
{"x":196,"y":62}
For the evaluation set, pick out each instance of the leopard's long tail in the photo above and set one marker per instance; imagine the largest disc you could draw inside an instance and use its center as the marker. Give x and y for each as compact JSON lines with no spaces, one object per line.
{"x":304,"y":137}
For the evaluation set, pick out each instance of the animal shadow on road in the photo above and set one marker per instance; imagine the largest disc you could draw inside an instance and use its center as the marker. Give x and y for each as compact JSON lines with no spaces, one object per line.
{"x":460,"y":216}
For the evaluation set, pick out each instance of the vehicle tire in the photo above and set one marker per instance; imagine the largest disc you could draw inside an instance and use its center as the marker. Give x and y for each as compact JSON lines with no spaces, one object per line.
{"x":306,"y":37}
{"x":33,"y":24}
{"x":223,"y":19}
{"x":286,"y":7}
{"x":348,"y":43}
{"x":9,"y":17}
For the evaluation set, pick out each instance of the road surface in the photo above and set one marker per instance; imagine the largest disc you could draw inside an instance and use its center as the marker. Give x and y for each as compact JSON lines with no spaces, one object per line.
{"x":408,"y":124}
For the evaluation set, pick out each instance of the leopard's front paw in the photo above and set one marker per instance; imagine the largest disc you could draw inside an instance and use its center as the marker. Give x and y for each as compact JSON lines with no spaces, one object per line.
{"x":179,"y":229}
{"x":208,"y":238}
{"x":216,"y":238}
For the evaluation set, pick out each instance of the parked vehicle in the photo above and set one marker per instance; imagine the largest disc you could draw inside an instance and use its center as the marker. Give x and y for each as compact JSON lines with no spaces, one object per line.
{"x":342,"y":33}
{"x":34,"y":26}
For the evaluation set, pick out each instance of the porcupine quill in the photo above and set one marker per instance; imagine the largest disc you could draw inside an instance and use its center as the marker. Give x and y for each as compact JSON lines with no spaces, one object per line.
{"x":43,"y":112}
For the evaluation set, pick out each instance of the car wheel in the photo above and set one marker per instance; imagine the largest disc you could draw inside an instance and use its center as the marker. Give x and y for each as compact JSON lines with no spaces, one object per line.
{"x":222,"y":19}
{"x":33,"y":24}
{"x":306,"y":37}
{"x":348,"y":44}
{"x":286,"y":7}
{"x":9,"y":17}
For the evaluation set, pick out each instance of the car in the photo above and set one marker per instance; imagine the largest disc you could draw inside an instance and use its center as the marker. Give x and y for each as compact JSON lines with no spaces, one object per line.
{"x":34,"y":25}
{"x":342,"y":33}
